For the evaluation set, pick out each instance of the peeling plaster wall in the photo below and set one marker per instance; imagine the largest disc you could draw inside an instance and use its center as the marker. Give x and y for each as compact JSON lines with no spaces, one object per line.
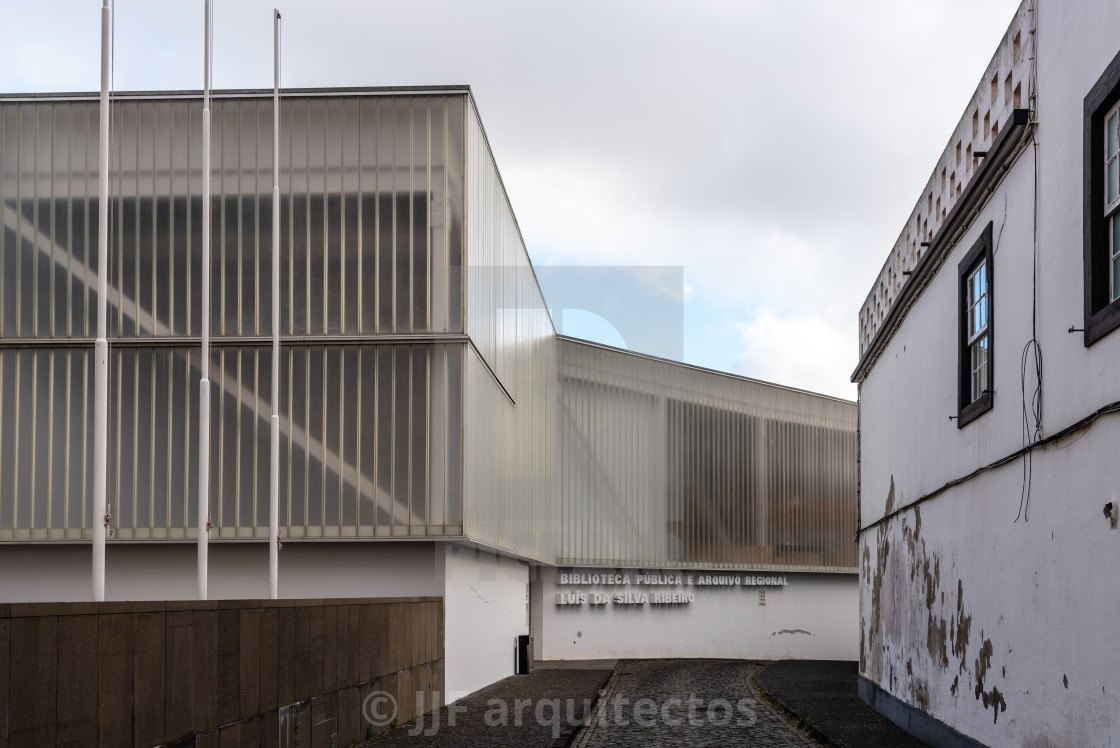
{"x":812,"y":617}
{"x":486,"y":608}
{"x":1002,"y":629}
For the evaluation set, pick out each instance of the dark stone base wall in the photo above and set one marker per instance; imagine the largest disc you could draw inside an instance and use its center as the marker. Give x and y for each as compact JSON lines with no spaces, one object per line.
{"x":917,"y":723}
{"x":224,"y":673}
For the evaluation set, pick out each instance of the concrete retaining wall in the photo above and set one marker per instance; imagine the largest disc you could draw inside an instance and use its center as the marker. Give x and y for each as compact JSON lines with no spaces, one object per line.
{"x":237,"y":673}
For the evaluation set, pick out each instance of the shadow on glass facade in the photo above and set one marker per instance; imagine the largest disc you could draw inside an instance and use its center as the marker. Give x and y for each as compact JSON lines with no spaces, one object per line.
{"x":424,"y":392}
{"x":667,"y":466}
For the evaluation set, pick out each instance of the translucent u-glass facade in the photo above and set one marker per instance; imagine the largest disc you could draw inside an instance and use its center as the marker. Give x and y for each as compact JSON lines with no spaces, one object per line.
{"x":668,"y":466}
{"x":373,"y":352}
{"x":423,"y":390}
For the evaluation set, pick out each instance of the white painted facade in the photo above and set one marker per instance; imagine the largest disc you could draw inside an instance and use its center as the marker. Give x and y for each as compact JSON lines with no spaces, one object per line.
{"x":992,"y":612}
{"x":745,"y":614}
{"x":486,"y":607}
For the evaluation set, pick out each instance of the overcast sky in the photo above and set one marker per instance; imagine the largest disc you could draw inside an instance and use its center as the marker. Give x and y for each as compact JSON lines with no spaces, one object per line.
{"x":772,"y":148}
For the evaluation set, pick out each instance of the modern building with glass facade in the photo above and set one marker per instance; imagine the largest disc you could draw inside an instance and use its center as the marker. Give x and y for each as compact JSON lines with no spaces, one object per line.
{"x":437,"y":437}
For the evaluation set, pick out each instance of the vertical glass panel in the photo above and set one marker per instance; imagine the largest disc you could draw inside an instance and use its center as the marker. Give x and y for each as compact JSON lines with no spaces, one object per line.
{"x":437,"y":461}
{"x":455,"y":434}
{"x":1112,"y":135}
{"x":367,"y":435}
{"x":164,"y":424}
{"x":317,"y":407}
{"x":420,"y":210}
{"x":227,"y":382}
{"x":184,"y":464}
{"x":298,"y":228}
{"x":385,"y":443}
{"x":263,"y":446}
{"x":317,"y":235}
{"x":264,"y":213}
{"x":335,"y":286}
{"x":419,"y":458}
{"x":123,"y":221}
{"x":122,"y":432}
{"x":71,"y":401}
{"x":402,"y":446}
{"x":367,"y":177}
{"x":39,"y":466}
{"x":194,"y":217}
{"x":145,"y":246}
{"x":249,"y":490}
{"x":58,"y":426}
{"x":351,"y":414}
{"x":437,"y":212}
{"x":24,"y":442}
{"x":350,"y":220}
{"x":332,"y":438}
{"x":386,"y":154}
{"x":163,"y":288}
{"x":228,"y":286}
{"x":297,"y":465}
{"x":60,"y":222}
{"x":456,"y":166}
{"x":402,"y":218}
{"x":146,"y":444}
{"x":25,"y":224}
{"x":179,"y":273}
{"x":44,"y":210}
{"x":251,"y":254}
{"x":333,"y":225}
{"x":10,"y":280}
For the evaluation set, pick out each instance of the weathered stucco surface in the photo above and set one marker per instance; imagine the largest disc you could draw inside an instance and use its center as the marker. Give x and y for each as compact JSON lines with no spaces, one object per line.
{"x":993,"y":606}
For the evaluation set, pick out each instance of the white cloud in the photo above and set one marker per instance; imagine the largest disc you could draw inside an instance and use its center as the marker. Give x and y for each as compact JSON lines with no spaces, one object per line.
{"x":801,"y":350}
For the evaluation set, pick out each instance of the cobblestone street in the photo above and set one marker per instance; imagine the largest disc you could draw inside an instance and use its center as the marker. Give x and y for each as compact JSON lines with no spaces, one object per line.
{"x":666,"y":703}
{"x":686,"y":703}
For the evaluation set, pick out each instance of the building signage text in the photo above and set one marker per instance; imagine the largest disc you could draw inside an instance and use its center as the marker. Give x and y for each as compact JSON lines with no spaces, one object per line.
{"x":652,"y":579}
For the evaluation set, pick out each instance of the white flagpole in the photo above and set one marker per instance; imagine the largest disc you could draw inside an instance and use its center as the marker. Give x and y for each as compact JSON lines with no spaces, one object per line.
{"x":274,"y":477}
{"x":204,"y":384}
{"x":101,"y":346}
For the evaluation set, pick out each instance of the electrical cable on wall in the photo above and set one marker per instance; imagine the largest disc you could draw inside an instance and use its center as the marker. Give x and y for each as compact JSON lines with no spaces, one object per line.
{"x":1032,"y":351}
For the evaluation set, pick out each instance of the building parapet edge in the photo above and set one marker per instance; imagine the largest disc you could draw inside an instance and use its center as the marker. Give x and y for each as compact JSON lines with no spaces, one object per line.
{"x":1012,"y":139}
{"x":999,"y":93}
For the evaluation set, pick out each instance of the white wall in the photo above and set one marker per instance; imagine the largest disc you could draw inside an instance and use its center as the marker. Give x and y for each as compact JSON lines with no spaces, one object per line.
{"x":167,"y":571}
{"x":812,"y":617}
{"x":485,"y":609}
{"x":1003,"y":629}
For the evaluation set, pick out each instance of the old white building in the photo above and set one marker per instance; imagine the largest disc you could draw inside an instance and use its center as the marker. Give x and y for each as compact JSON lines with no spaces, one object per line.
{"x":989,"y":434}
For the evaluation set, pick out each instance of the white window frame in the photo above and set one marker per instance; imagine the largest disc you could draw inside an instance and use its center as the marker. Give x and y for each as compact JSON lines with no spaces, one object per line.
{"x":979,"y":350}
{"x":1112,"y":208}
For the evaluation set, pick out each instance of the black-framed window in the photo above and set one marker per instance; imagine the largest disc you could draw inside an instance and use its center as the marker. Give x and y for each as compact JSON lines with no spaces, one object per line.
{"x":974,"y":355}
{"x":1102,"y":205}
